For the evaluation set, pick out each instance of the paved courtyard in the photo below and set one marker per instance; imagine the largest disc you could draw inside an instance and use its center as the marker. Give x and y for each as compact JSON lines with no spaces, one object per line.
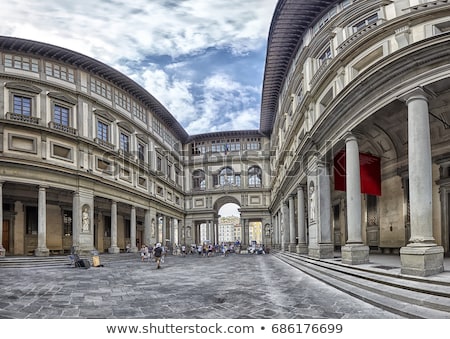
{"x":192,"y":287}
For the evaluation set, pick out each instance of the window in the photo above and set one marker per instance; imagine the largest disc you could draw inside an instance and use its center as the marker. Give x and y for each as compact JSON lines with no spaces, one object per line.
{"x":139,"y":112}
{"x":254,"y":176}
{"x":324,"y":56}
{"x":366,"y":22}
{"x":61,"y":115}
{"x":253,"y":144}
{"x":141,"y":152}
{"x":122,"y":100}
{"x":59,"y":72}
{"x":124,"y":142}
{"x":198,"y":148}
{"x":226,"y":177}
{"x":101,"y":88}
{"x":177,"y":175}
{"x":22,"y":105}
{"x":102,"y":131}
{"x":19,"y":62}
{"x":169,"y":171}
{"x":158,"y":163}
{"x":198,"y":178}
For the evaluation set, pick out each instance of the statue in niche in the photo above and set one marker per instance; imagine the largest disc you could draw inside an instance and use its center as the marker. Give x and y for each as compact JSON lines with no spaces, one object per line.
{"x":188,"y":232}
{"x":312,"y":202}
{"x":85,"y":219}
{"x":152,"y":229}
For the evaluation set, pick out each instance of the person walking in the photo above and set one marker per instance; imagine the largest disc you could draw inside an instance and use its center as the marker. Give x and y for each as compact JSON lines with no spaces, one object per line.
{"x":158,"y":252}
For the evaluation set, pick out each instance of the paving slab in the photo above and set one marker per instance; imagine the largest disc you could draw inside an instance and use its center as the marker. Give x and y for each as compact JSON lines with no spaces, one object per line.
{"x":191,"y":287}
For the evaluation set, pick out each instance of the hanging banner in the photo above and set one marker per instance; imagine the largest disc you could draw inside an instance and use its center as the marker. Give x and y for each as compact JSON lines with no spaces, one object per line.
{"x":370,"y":171}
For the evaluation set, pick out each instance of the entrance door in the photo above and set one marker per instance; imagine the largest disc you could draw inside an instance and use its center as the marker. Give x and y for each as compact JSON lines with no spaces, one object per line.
{"x":373,"y":227}
{"x":5,"y":235}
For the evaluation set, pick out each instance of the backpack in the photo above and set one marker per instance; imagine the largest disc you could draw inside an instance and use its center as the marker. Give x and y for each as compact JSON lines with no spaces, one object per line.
{"x":158,"y":251}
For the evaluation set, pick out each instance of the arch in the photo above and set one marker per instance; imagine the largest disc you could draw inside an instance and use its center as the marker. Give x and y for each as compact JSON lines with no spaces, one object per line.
{"x":225,"y":200}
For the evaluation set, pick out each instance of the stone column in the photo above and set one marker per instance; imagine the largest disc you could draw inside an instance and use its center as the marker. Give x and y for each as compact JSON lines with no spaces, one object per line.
{"x":133,"y":229}
{"x":76,"y":221}
{"x":149,"y":229}
{"x":163,"y":230}
{"x":247,"y":233}
{"x":208,"y":230}
{"x":354,"y":252}
{"x":320,"y":245}
{"x":42,"y":250}
{"x":2,"y":249}
{"x":285,"y":228}
{"x":292,"y":241}
{"x":114,"y":248}
{"x":302,"y":247}
{"x":273,"y":236}
{"x":422,"y":256}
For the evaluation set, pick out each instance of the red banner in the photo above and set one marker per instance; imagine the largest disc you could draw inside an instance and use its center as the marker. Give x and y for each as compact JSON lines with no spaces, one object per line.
{"x":370,"y":171}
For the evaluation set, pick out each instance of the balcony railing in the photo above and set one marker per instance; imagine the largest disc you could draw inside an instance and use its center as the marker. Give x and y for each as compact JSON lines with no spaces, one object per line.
{"x":104,"y":143}
{"x":62,"y":128}
{"x":22,"y":118}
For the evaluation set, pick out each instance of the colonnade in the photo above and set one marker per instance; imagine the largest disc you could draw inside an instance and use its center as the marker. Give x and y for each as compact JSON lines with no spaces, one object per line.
{"x":421,"y":256}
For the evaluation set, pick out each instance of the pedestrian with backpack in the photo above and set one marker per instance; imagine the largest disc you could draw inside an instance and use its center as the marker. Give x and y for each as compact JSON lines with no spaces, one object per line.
{"x":158,"y":252}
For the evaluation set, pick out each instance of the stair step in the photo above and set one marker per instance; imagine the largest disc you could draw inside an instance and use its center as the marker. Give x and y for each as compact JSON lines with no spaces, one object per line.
{"x":409,"y":297}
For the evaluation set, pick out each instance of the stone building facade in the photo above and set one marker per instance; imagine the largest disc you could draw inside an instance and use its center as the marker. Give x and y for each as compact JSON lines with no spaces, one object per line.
{"x":359,"y":128}
{"x":352,"y":154}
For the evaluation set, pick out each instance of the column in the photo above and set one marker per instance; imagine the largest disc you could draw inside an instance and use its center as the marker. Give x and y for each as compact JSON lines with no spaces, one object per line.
{"x":422,"y":256}
{"x":133,"y":229}
{"x":273,"y":235}
{"x":302,"y":247}
{"x":2,"y":250}
{"x":285,"y":229}
{"x":114,"y":248}
{"x":292,"y":240}
{"x":163,"y":230}
{"x":354,"y":252}
{"x":149,"y":229}
{"x":320,"y":245}
{"x":42,"y":250}
{"x":76,"y":221}
{"x":208,"y":230}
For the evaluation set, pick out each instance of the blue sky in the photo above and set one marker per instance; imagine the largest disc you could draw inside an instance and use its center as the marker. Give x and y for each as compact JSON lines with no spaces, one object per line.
{"x":202,"y":59}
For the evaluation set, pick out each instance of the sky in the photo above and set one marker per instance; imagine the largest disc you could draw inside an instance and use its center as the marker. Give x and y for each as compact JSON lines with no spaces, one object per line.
{"x":202,"y":59}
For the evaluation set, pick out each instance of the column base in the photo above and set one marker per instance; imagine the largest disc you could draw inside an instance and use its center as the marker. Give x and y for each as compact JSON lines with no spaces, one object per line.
{"x":422,"y":260}
{"x":321,"y":251}
{"x":302,"y":249}
{"x":292,"y":247}
{"x":114,"y":250}
{"x":41,"y":252}
{"x":355,"y":254}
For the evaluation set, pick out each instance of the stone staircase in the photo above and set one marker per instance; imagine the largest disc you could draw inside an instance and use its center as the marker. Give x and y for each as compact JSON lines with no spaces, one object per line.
{"x":61,"y":261}
{"x":408,"y":296}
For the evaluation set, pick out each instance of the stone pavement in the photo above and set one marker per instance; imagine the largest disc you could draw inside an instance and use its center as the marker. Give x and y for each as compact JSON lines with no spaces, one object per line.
{"x":191,"y":287}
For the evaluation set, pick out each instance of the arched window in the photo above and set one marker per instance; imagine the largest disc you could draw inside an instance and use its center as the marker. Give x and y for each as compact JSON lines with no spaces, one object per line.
{"x":198,"y":178}
{"x":226,"y":177}
{"x":254,"y":176}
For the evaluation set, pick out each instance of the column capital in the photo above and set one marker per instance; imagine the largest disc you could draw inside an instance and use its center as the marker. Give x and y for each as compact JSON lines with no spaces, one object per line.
{"x":349,"y":136}
{"x":414,"y":94}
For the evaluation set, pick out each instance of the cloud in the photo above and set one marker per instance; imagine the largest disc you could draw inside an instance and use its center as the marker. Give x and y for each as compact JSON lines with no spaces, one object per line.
{"x":202,"y":59}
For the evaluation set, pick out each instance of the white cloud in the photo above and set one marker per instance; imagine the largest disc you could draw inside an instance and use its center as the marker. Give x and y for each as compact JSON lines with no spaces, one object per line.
{"x":115,"y":31}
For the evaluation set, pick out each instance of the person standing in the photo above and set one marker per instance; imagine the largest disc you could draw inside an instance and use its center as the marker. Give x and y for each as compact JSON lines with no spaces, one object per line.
{"x":158,"y":251}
